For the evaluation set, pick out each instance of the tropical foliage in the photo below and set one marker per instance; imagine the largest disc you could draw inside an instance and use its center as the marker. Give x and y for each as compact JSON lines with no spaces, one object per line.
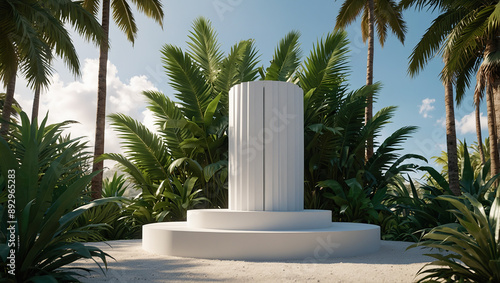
{"x":473,"y":243}
{"x":184,"y":164}
{"x":335,"y":136}
{"x":475,"y":157}
{"x":124,"y":18}
{"x":416,"y":210}
{"x":466,"y":34}
{"x":32,"y":32}
{"x":49,"y":176}
{"x":383,"y":15}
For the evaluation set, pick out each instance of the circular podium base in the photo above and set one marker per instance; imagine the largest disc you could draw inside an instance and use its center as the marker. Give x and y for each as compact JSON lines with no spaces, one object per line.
{"x":258,"y":220}
{"x":338,"y":240}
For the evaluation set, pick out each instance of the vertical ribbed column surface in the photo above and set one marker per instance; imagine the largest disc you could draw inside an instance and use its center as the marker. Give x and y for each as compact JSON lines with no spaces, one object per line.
{"x":266,"y":147}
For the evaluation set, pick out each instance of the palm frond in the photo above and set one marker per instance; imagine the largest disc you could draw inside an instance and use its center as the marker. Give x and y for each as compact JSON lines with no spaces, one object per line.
{"x":58,"y":39}
{"x":326,"y":66}
{"x":204,"y":48}
{"x":381,"y":27}
{"x":138,"y":177}
{"x":151,"y":8}
{"x":229,"y":73}
{"x":194,"y":92}
{"x":348,"y":13}
{"x":33,"y":53}
{"x":92,"y":6}
{"x":463,"y":78}
{"x":385,"y":155}
{"x":391,"y":15}
{"x":430,"y":4}
{"x":164,"y":110}
{"x":462,"y":42}
{"x":246,"y":69}
{"x":124,"y":19}
{"x":285,"y":59}
{"x":81,"y":18}
{"x":143,"y":147}
{"x":431,"y":41}
{"x":350,"y":117}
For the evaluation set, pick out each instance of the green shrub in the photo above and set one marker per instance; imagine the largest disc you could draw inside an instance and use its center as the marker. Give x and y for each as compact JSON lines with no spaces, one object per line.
{"x":48,"y":184}
{"x":473,"y":243}
{"x":421,"y":210}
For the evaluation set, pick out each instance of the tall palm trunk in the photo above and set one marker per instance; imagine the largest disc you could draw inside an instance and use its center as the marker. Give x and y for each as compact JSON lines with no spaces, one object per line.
{"x":494,"y":84}
{"x":36,"y":104}
{"x":369,"y":73}
{"x":7,"y":105}
{"x":478,"y":132}
{"x":493,"y":93}
{"x":451,"y":138}
{"x":101,"y":103}
{"x":492,"y":132}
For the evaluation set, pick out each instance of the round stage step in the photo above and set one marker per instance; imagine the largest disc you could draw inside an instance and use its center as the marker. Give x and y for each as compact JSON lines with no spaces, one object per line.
{"x":339,"y":240}
{"x":258,"y":220}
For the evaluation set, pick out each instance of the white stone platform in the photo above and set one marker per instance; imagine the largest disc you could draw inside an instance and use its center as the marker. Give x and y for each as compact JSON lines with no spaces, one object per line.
{"x":184,"y":239}
{"x":266,"y":219}
{"x":258,"y":220}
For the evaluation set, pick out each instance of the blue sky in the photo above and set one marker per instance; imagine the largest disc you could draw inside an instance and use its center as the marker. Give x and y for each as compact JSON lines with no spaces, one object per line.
{"x":138,"y":67}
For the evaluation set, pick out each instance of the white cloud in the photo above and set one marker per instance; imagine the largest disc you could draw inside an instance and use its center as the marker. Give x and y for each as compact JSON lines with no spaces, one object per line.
{"x":467,"y":124}
{"x":149,"y":120}
{"x":442,"y":122}
{"x":77,"y":101}
{"x":427,"y":107}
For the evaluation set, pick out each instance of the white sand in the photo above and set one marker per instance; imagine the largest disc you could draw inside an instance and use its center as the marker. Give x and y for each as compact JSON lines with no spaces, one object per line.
{"x":392,"y":263}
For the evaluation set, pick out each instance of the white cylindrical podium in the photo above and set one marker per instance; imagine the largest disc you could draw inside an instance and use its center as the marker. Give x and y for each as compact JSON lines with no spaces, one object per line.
{"x":266,"y":147}
{"x":266,"y":219}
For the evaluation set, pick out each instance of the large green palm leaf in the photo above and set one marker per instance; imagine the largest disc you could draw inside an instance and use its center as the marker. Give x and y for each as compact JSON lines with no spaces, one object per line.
{"x":139,"y":177}
{"x":246,"y":69}
{"x":349,"y":11}
{"x":25,"y":43}
{"x":164,"y":110}
{"x":350,"y":117}
{"x":286,"y":58}
{"x":204,"y":49}
{"x":34,"y":42}
{"x":187,"y":79}
{"x":151,"y":8}
{"x":122,"y":14}
{"x":474,"y":243}
{"x":389,"y":15}
{"x":325,"y":68}
{"x":431,"y":41}
{"x":143,"y":147}
{"x":238,"y":66}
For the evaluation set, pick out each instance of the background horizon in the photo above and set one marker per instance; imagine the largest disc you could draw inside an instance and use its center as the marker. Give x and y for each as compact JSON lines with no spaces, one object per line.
{"x":135,"y":68}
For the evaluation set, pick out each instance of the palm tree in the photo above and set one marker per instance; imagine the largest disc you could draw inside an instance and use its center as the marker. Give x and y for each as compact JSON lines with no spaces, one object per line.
{"x":477,"y":111}
{"x":468,"y":31}
{"x":123,"y":17}
{"x":383,"y":14}
{"x":451,"y":135}
{"x":30,"y":33}
{"x":474,"y":152}
{"x":14,"y":117}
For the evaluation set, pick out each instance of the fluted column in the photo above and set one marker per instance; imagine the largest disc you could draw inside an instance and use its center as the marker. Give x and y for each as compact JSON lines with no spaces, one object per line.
{"x":266,"y":147}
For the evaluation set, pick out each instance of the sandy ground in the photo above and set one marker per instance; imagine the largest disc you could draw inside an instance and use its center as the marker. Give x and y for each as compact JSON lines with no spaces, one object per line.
{"x":392,"y":263}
